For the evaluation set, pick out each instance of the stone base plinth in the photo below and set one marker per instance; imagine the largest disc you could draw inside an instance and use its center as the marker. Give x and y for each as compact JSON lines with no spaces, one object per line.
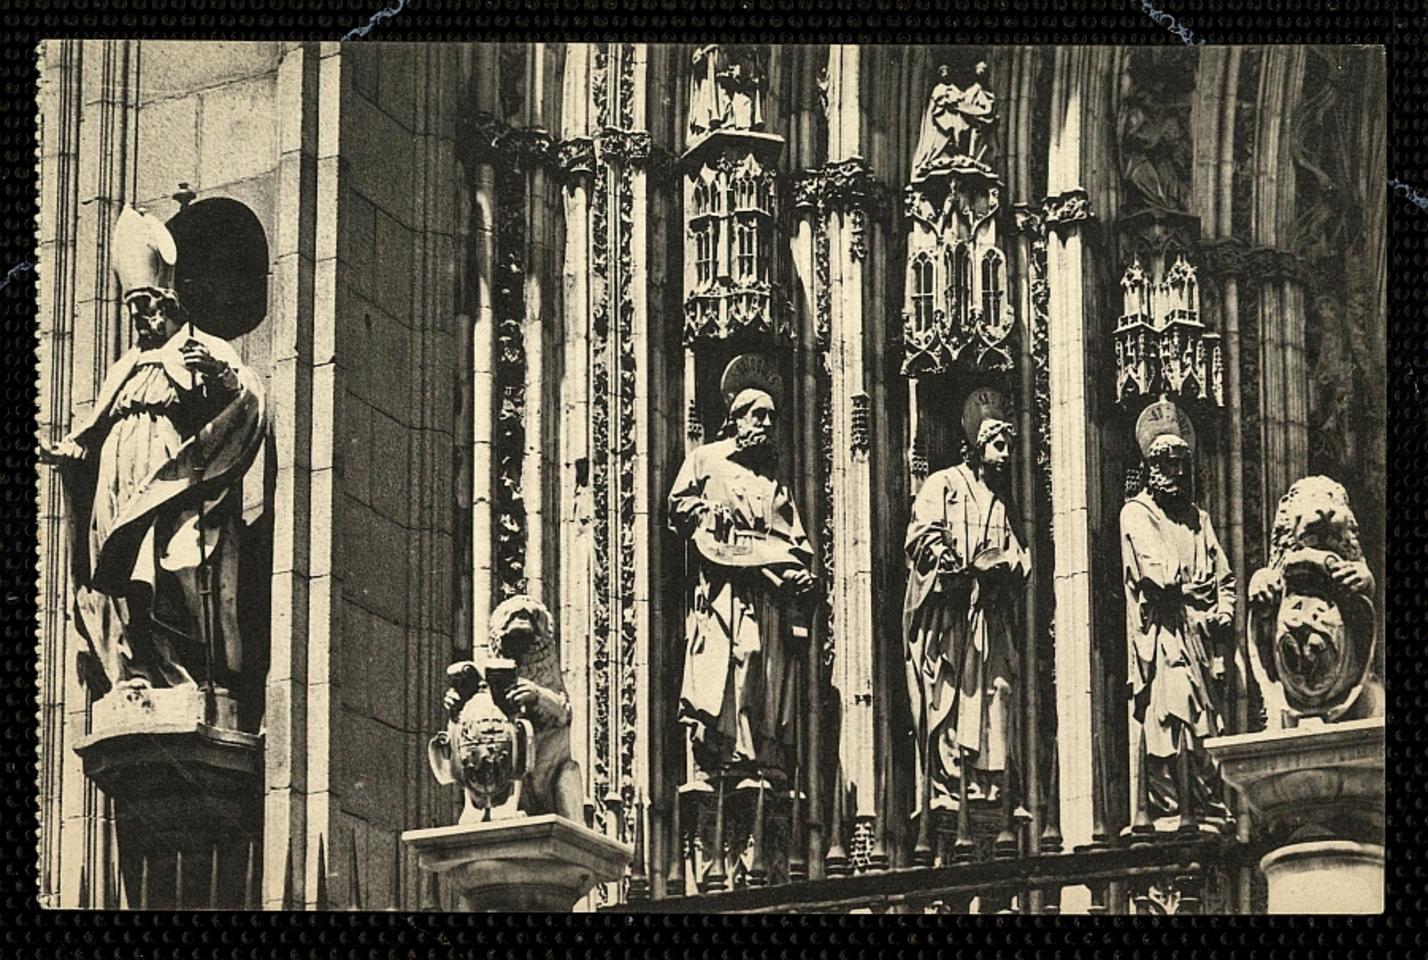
{"x":1325,"y":876}
{"x":544,"y":863}
{"x":1318,"y":789}
{"x":173,"y":777}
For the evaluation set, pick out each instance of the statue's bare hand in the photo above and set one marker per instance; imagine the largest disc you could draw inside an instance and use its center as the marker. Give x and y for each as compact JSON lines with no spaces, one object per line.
{"x":197,"y":358}
{"x":798,"y":581}
{"x":66,"y":451}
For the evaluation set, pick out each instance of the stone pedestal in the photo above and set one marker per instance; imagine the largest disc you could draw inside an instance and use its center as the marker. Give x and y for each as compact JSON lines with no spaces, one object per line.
{"x":1325,"y":876}
{"x":543,"y":864}
{"x":172,"y":775}
{"x":1319,"y":789}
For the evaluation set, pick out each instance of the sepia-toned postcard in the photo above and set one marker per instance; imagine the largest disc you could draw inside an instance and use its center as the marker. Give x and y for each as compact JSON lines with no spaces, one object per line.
{"x":726,"y":477}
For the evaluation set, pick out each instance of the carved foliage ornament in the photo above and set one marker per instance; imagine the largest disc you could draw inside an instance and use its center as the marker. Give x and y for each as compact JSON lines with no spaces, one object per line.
{"x":848,"y":186}
{"x":1066,"y":209}
{"x":490,"y":141}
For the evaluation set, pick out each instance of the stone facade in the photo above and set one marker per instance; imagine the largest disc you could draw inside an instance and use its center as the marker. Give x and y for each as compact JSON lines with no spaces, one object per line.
{"x":487,"y":346}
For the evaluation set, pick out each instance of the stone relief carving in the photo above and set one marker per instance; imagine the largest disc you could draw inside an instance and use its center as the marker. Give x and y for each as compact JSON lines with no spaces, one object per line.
{"x":153,"y":478}
{"x":966,"y":571}
{"x":752,"y":569}
{"x":1152,"y":135}
{"x":627,"y":688}
{"x":1313,"y":625}
{"x":507,"y":740}
{"x":1152,"y":130}
{"x":511,"y":525}
{"x":1180,"y":597}
{"x":604,"y":772}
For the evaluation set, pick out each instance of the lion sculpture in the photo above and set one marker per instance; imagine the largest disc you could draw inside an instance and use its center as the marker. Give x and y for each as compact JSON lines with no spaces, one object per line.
{"x":1314,"y":630}
{"x":507,"y":740}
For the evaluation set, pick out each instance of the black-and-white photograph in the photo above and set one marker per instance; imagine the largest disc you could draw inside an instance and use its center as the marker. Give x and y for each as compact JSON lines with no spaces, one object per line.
{"x":712,"y":478}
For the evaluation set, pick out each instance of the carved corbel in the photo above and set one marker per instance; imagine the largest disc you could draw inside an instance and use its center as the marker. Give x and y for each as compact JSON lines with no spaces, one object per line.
{"x":575,"y":157}
{"x":1067,"y":209}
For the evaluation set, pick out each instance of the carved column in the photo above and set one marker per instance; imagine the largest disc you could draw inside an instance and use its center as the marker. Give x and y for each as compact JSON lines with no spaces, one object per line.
{"x":87,"y":116}
{"x":851,"y":586}
{"x":626,"y":481}
{"x":1280,"y":300}
{"x":809,"y":255}
{"x":576,"y":159}
{"x":1078,"y":81}
{"x":481,"y":177}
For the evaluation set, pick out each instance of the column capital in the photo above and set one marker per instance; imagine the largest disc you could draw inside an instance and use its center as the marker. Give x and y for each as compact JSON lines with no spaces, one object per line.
{"x":1067,"y":209}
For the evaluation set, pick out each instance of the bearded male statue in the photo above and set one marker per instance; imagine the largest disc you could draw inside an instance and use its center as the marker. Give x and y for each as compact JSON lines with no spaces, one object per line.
{"x":1180,"y":602}
{"x":152,"y":477}
{"x":750,"y":562}
{"x":966,"y":571}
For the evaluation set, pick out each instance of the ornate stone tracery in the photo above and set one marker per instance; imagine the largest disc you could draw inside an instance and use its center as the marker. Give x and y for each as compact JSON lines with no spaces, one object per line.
{"x":732,"y":281}
{"x":957,"y":310}
{"x":1161,"y":345}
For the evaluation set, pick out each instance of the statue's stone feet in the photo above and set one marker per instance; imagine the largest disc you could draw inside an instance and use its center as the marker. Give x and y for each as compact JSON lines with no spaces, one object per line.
{"x":137,"y":704}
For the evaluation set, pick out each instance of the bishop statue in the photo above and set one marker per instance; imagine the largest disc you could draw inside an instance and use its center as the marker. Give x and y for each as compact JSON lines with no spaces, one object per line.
{"x":1180,"y":602}
{"x":152,"y":476}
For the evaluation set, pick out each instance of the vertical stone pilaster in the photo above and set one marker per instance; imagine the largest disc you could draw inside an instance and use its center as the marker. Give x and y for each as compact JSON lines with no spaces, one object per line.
{"x":292,"y":315}
{"x":852,"y":582}
{"x":1072,"y":307}
{"x":1280,"y":301}
{"x":484,"y":402}
{"x":323,"y":714}
{"x":575,"y":500}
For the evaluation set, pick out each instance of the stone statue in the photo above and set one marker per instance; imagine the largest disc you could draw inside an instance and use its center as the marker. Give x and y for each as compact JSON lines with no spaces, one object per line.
{"x":152,"y":477}
{"x":954,"y":124}
{"x":966,"y":573}
{"x":1313,"y":646}
{"x":1180,"y":601}
{"x":507,"y":741}
{"x":1151,"y":132}
{"x":726,"y":89}
{"x":749,"y":565}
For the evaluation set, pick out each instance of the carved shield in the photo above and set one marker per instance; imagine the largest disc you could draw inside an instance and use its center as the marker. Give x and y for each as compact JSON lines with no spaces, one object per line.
{"x":1322,"y":645}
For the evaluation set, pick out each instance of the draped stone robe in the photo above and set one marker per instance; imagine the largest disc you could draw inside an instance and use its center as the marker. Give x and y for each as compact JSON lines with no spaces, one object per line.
{"x":158,"y":443}
{"x":960,"y":656}
{"x":1170,"y":643}
{"x":737,"y":696}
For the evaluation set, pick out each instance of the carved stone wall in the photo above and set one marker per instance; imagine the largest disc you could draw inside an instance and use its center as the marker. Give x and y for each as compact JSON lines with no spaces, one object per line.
{"x":490,"y":341}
